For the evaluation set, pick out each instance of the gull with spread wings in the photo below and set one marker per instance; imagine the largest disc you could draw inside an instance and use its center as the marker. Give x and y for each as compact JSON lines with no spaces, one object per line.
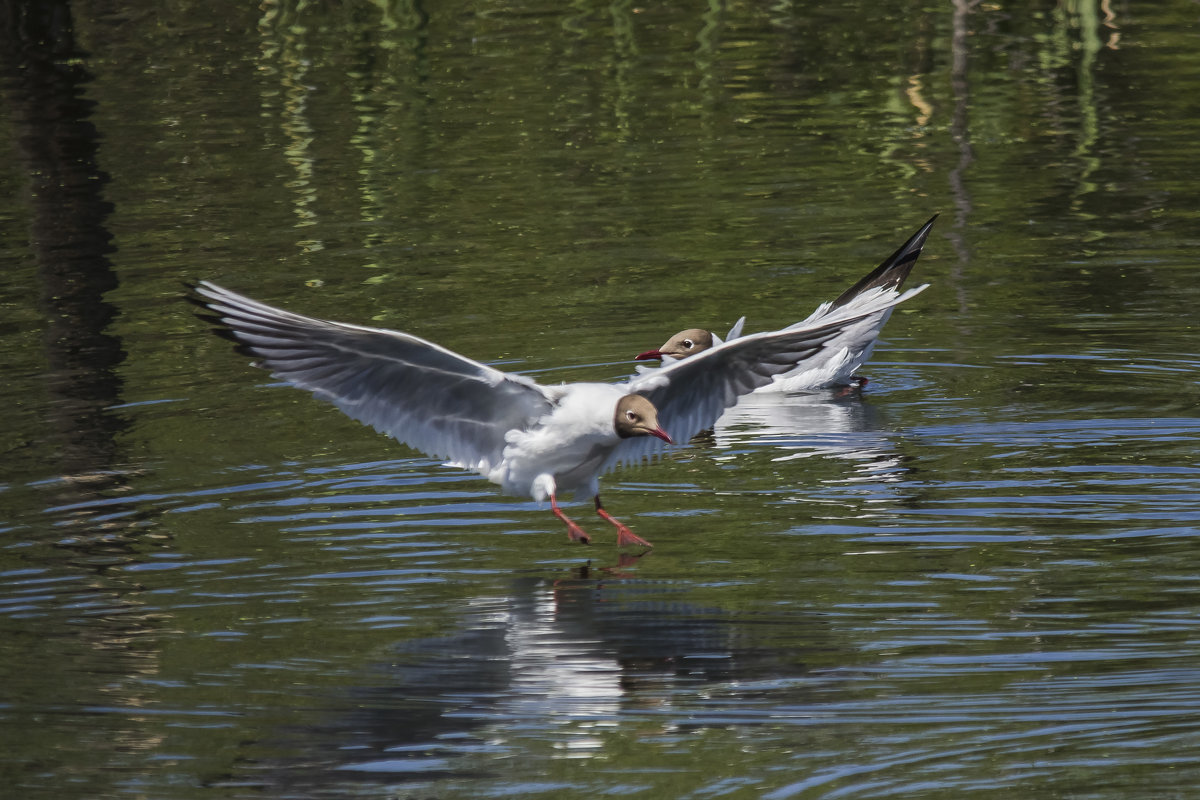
{"x":532,"y":440}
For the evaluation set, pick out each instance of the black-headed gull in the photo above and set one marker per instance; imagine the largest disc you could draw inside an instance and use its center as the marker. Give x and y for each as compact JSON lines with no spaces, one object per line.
{"x":530,"y":439}
{"x":836,"y":363}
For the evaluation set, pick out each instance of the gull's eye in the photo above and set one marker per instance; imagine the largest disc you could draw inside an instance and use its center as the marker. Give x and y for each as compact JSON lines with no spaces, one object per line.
{"x":632,"y":417}
{"x":688,"y":343}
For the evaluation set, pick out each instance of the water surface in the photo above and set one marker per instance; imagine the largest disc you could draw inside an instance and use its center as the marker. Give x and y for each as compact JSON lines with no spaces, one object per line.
{"x":978,"y":576}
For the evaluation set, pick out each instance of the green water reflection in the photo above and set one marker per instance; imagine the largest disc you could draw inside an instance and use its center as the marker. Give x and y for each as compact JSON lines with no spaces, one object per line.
{"x":977,"y":578}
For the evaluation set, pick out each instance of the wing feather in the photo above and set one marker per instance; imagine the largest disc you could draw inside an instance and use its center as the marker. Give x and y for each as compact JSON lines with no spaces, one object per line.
{"x":690,"y":394}
{"x":422,"y":394}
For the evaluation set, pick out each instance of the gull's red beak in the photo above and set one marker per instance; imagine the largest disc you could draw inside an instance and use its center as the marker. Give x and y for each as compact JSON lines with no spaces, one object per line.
{"x":661,"y":434}
{"x":649,"y":354}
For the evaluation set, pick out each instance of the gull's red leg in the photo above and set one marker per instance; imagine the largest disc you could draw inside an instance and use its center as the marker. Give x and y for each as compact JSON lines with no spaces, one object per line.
{"x":625,"y":537}
{"x":576,"y":533}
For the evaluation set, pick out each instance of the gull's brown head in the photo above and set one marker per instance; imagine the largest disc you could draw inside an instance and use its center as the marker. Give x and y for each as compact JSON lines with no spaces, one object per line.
{"x":681,"y":345}
{"x":637,"y":416}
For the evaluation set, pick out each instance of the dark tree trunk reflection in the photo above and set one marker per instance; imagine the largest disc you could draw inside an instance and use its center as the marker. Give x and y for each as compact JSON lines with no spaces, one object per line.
{"x":44,"y":81}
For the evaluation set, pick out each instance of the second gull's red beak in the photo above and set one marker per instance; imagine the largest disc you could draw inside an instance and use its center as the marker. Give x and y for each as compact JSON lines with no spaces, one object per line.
{"x":649,"y":354}
{"x":661,"y":434}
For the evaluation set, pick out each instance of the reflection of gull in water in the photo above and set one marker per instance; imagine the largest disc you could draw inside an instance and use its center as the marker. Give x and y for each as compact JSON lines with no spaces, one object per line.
{"x":806,"y":425}
{"x":556,"y":663}
{"x":557,"y":673}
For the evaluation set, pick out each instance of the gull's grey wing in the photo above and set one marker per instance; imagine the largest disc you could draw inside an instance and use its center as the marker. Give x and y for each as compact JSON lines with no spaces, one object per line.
{"x":424,"y":395}
{"x":889,"y":275}
{"x":692,"y":393}
{"x":894,"y":270}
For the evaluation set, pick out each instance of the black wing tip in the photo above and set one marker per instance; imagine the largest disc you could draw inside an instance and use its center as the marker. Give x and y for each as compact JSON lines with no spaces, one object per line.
{"x":895,"y":269}
{"x":205,"y":312}
{"x":193,"y":287}
{"x":197,"y":301}
{"x":194,"y":294}
{"x":197,"y":292}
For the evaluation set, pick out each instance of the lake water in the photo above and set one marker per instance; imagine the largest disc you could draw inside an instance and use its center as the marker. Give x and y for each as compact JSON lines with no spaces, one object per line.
{"x":980,"y":577}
